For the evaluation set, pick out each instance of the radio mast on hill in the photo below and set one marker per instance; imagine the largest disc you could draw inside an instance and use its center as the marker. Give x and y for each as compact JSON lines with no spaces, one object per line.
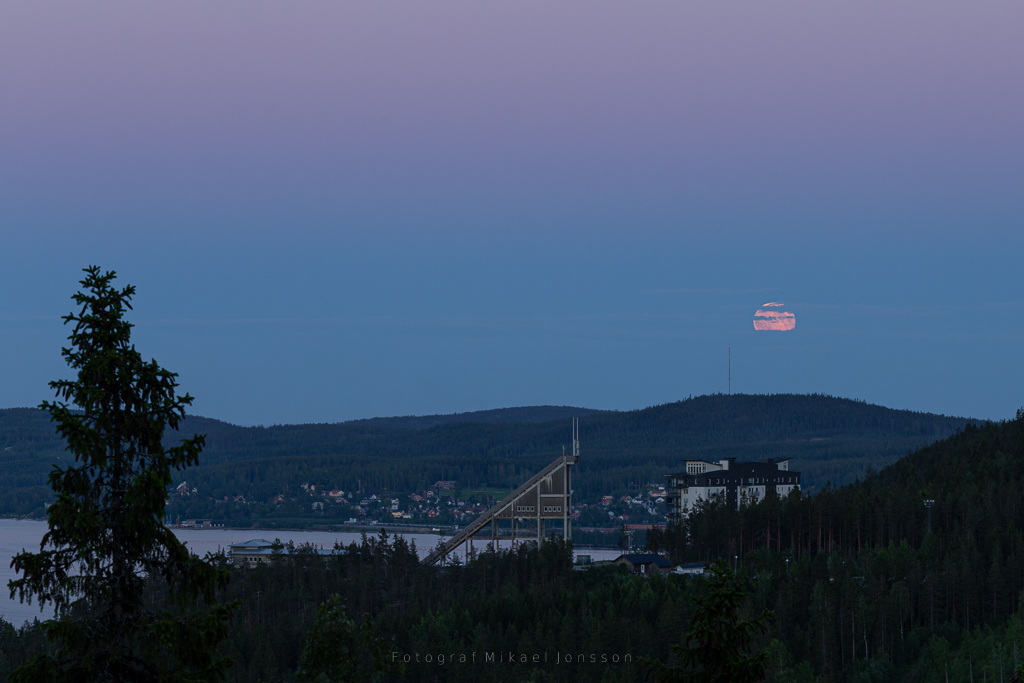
{"x":730,"y":371}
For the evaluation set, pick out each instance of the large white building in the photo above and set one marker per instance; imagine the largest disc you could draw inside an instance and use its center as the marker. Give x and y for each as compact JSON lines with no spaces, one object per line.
{"x":736,"y":481}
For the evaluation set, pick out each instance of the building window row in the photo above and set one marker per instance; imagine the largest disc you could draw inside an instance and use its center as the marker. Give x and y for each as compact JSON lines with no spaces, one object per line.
{"x":733,"y":485}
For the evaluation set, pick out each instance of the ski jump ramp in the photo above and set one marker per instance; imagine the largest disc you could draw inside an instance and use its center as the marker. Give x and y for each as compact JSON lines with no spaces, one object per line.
{"x":545,"y":497}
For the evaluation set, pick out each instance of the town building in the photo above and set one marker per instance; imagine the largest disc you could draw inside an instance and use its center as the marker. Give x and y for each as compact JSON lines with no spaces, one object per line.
{"x":644,"y":563}
{"x":735,"y":481}
{"x":260,"y":551}
{"x":202,"y":524}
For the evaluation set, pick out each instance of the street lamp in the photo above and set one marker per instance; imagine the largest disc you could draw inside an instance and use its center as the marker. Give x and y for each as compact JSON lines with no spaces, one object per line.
{"x":928,"y":503}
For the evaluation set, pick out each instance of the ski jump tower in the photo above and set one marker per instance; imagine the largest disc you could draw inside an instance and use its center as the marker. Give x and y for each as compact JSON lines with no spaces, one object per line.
{"x":546,"y":496}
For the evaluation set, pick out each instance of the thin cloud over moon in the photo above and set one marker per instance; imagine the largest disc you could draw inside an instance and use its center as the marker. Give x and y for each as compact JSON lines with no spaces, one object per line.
{"x":779,"y":321}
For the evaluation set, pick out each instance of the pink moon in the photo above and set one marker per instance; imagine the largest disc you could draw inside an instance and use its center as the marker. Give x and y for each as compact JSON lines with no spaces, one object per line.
{"x":779,"y":321}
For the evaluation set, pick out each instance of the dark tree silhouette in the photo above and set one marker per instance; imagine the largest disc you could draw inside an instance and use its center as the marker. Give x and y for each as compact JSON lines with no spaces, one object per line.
{"x":717,"y":648}
{"x":106,"y":543}
{"x":340,"y":649}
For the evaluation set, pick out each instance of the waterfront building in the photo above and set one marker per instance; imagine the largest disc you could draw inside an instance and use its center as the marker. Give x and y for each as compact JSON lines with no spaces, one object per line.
{"x":734,"y":481}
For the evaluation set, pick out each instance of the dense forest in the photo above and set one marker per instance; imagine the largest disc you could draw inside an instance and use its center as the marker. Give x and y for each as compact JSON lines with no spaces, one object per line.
{"x":859,"y":587}
{"x":829,"y":439}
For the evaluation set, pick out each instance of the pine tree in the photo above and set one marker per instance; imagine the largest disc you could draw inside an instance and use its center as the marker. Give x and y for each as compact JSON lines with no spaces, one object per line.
{"x":107,"y":544}
{"x":340,"y":649}
{"x":717,"y":648}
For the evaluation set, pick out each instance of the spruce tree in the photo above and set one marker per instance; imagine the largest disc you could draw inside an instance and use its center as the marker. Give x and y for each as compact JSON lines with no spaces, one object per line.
{"x":719,"y":647}
{"x":341,"y":649}
{"x":131,"y":603}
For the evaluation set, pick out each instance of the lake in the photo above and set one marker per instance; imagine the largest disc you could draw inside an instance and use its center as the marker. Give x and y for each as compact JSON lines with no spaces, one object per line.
{"x":17,"y":535}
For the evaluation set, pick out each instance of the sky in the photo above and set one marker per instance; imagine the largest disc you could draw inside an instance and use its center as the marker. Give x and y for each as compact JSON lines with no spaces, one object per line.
{"x":335,"y":211}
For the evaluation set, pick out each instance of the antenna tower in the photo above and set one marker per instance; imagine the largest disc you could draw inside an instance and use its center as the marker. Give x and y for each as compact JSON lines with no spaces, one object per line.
{"x":730,"y":371}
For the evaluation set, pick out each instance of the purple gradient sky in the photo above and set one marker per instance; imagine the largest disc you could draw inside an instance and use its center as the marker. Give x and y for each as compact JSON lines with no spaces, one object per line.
{"x":341,"y":210}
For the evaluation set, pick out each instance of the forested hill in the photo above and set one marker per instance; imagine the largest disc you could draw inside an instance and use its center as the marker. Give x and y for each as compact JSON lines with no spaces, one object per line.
{"x":989,"y":455}
{"x":496,"y":416}
{"x":705,"y":422}
{"x":356,"y":435}
{"x":924,"y":605}
{"x":828,"y":438}
{"x":976,"y":480}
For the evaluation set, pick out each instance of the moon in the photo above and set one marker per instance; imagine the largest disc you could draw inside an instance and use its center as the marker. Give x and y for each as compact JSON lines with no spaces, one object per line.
{"x":776,"y":320}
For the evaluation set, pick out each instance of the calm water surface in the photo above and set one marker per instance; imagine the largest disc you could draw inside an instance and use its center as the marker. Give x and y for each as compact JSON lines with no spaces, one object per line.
{"x":17,"y":535}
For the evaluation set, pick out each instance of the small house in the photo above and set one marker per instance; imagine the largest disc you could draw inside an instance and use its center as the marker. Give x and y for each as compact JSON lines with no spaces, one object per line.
{"x":644,"y":563}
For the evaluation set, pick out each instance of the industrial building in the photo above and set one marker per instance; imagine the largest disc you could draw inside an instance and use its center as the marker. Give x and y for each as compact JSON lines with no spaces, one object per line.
{"x":735,"y":481}
{"x":261,"y":551}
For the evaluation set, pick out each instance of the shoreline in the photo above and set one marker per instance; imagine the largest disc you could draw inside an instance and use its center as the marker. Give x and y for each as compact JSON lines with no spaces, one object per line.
{"x":369,"y":529}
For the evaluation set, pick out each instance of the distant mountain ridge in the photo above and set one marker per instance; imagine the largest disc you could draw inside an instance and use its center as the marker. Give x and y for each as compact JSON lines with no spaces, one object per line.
{"x":757,"y":416}
{"x":829,"y":439}
{"x":495,"y":416}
